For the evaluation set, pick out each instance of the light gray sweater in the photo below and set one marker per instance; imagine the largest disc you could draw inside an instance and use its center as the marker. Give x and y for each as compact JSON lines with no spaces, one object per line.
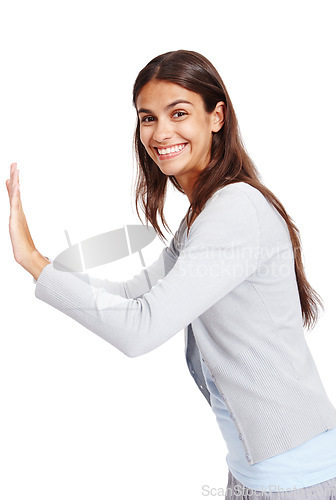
{"x":231,"y":286}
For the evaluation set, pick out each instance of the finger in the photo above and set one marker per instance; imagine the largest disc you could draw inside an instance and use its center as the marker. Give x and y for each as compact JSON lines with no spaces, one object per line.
{"x":11,"y":184}
{"x":13,"y":176}
{"x":16,"y":200}
{"x":12,"y":171}
{"x":9,"y":187}
{"x":12,"y":168}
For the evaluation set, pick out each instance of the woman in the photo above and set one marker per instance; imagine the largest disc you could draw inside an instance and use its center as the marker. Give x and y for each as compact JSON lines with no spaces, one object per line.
{"x":232,"y":277}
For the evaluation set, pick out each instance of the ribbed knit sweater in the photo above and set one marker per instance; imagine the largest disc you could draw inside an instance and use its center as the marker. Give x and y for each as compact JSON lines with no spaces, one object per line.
{"x":231,"y":286}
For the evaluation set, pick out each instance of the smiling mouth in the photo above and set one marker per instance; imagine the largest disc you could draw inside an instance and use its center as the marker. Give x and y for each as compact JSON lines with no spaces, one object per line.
{"x":165,"y":153}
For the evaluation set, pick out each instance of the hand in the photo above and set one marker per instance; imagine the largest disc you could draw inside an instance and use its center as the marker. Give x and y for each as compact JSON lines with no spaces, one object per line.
{"x":22,"y":243}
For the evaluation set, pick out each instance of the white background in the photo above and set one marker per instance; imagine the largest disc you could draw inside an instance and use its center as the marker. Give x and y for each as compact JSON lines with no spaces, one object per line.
{"x":79,"y":420}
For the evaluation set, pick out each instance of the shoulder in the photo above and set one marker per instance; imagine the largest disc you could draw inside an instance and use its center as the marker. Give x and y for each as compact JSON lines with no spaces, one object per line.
{"x":232,"y":211}
{"x":238,"y":193}
{"x":234,"y":202}
{"x":244,"y":206}
{"x":241,"y":200}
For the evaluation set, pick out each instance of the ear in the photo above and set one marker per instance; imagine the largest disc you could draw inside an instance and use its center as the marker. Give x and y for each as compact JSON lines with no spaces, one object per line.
{"x":218,"y":116}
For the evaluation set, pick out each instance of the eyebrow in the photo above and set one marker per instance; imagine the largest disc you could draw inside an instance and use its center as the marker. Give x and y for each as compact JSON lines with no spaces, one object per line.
{"x":171,"y":105}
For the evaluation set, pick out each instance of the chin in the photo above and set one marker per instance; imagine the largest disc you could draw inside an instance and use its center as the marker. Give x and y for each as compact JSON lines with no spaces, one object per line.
{"x":171,"y":171}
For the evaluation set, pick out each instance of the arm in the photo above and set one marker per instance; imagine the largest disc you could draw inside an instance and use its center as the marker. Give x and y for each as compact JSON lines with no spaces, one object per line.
{"x":222,"y":250}
{"x":141,"y":282}
{"x":26,"y":254}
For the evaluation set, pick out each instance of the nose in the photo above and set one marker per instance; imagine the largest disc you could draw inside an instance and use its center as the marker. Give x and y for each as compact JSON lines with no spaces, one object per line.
{"x":163,"y":131}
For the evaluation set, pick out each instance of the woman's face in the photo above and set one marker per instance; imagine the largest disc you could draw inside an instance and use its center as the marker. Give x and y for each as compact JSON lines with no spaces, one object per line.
{"x":176,"y":130}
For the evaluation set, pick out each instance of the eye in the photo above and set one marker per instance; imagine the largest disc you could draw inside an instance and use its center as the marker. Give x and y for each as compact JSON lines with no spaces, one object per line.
{"x":147,"y":119}
{"x":179,"y":113}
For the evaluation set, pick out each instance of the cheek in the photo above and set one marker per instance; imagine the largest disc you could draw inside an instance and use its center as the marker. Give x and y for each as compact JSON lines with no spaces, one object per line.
{"x":144,"y":135}
{"x":194,"y":132}
{"x":186,"y":130}
{"x":145,"y":138}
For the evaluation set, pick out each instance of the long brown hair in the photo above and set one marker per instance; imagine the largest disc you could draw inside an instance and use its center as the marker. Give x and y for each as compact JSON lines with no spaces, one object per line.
{"x":229,"y":161}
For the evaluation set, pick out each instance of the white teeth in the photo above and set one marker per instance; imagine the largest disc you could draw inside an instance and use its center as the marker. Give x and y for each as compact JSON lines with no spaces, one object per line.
{"x":173,"y":149}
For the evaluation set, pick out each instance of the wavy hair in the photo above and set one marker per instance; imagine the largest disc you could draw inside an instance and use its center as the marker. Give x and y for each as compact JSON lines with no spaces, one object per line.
{"x":229,"y":161}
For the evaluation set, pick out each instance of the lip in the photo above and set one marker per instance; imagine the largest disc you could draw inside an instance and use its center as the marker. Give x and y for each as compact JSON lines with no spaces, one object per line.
{"x":170,"y":155}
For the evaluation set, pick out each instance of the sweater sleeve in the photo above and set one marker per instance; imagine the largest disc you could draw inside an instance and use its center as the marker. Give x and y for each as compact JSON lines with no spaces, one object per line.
{"x":221,"y":251}
{"x":141,"y":282}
